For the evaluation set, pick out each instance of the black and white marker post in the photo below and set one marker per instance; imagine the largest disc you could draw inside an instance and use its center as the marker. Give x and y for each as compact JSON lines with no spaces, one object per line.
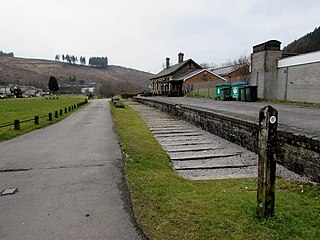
{"x":268,"y":123}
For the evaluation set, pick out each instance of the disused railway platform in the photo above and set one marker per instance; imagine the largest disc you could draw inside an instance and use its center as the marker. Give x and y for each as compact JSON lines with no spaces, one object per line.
{"x":298,"y":146}
{"x":197,"y":154}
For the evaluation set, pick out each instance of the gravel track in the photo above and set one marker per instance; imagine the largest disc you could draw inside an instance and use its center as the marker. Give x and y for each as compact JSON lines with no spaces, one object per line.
{"x":174,"y":135}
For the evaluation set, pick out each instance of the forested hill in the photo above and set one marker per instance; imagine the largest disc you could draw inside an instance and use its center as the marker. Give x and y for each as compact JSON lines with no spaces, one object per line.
{"x":36,"y":72}
{"x":308,"y":43}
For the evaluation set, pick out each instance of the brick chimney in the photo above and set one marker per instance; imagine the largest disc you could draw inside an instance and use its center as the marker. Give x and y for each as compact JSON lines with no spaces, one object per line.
{"x":167,"y":63}
{"x":180,"y":57}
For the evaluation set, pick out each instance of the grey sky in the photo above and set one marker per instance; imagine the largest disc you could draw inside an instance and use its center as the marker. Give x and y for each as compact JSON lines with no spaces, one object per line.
{"x":140,"y":34}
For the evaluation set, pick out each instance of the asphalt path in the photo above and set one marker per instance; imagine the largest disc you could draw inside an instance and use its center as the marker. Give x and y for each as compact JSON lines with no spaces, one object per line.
{"x":295,"y":118}
{"x":70,"y":181}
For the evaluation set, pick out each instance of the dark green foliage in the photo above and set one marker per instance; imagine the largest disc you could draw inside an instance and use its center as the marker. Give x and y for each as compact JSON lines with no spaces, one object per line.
{"x":128,"y":95}
{"x":53,"y":84}
{"x":308,"y":43}
{"x":16,"y":91}
{"x":71,"y":59}
{"x":3,"y":54}
{"x":82,"y":60}
{"x":99,"y":62}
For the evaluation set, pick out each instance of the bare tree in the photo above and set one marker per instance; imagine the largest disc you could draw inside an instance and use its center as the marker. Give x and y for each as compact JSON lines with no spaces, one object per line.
{"x":241,"y":66}
{"x":208,"y":65}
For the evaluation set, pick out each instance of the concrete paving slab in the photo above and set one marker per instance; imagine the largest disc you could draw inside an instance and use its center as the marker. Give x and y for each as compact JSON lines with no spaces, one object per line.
{"x":205,"y":156}
{"x":179,"y":134}
{"x":171,"y":131}
{"x":193,"y":149}
{"x":222,"y":177}
{"x":186,"y":143}
{"x":217,"y":165}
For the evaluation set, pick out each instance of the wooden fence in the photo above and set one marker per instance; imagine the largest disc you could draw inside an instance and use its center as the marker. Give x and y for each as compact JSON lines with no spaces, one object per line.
{"x":17,"y":123}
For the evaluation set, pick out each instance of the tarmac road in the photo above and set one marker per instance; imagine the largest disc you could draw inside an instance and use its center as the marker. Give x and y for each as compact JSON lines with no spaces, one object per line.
{"x":70,"y":181}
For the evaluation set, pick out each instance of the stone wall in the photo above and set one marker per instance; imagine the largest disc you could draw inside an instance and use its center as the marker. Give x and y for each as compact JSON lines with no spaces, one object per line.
{"x":300,"y":154}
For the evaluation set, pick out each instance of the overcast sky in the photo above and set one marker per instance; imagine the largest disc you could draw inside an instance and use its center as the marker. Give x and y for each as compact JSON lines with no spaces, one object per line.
{"x":140,"y":34}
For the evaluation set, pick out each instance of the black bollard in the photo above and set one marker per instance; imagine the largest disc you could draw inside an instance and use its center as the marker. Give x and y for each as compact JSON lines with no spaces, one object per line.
{"x":16,"y":124}
{"x":36,"y":120}
{"x":50,"y":117}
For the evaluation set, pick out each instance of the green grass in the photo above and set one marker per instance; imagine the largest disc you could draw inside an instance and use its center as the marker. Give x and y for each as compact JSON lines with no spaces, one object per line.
{"x":27,"y":108}
{"x":169,"y":207}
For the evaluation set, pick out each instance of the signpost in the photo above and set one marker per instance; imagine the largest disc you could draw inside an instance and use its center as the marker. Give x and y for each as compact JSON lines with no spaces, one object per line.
{"x":268,"y":123}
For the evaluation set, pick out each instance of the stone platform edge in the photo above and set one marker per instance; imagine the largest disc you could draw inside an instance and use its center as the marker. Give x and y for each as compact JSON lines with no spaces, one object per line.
{"x":297,"y":152}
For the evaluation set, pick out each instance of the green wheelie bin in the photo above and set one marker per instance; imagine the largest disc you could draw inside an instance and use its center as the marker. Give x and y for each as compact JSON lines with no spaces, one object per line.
{"x":236,"y":89}
{"x":219,"y":88}
{"x":226,"y":93}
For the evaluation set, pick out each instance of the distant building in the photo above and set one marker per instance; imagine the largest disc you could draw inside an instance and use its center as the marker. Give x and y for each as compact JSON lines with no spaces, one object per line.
{"x":278,"y":77}
{"x":87,"y":90}
{"x":5,"y":90}
{"x":30,"y":91}
{"x":201,"y":77}
{"x":234,"y":73}
{"x":164,"y":82}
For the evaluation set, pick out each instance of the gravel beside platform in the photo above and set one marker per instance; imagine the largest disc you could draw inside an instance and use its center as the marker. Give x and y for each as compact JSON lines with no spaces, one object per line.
{"x":199,"y":155}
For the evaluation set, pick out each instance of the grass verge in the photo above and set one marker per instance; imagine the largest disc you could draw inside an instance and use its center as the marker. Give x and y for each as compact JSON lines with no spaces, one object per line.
{"x":27,"y":108}
{"x":169,"y":207}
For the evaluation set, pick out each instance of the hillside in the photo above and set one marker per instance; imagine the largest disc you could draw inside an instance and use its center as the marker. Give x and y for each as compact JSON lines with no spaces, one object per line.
{"x":36,"y":72}
{"x":308,"y":43}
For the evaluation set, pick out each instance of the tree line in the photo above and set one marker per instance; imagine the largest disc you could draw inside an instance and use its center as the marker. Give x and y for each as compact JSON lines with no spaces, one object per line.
{"x":3,"y":54}
{"x":71,"y":59}
{"x":99,"y":62}
{"x":308,"y":43}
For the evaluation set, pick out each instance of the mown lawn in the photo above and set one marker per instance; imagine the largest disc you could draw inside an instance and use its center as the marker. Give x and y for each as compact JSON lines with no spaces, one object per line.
{"x":169,"y":207}
{"x":27,"y":108}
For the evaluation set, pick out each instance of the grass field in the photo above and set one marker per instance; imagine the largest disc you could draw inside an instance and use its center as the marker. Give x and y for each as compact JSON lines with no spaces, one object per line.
{"x":23,"y":109}
{"x":169,"y":207}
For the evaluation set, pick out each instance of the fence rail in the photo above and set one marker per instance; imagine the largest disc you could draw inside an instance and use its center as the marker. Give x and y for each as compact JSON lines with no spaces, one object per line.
{"x":16,"y":123}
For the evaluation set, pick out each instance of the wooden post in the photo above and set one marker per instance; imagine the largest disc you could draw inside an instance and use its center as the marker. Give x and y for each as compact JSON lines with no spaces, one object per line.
{"x":69,"y":109}
{"x":56,"y":115}
{"x":16,"y":124}
{"x":60,"y":112}
{"x":267,"y":139}
{"x":50,"y":117}
{"x":65,"y":110}
{"x":36,"y":120}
